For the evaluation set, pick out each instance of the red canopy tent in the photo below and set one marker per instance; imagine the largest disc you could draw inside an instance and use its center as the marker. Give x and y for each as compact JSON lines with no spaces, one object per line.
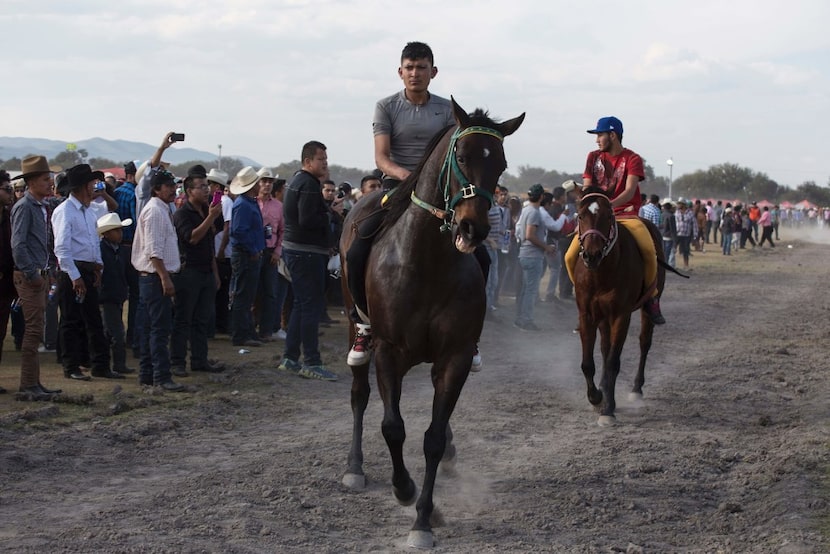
{"x":117,"y":171}
{"x":786,"y":204}
{"x":765,"y":204}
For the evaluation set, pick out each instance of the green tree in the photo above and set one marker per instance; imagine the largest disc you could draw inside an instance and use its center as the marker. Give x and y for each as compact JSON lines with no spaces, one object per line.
{"x":12,"y":164}
{"x":98,"y":163}
{"x":69,"y":158}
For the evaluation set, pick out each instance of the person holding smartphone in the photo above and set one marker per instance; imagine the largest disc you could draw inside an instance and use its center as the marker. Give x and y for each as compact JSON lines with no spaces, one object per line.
{"x":197,"y":282}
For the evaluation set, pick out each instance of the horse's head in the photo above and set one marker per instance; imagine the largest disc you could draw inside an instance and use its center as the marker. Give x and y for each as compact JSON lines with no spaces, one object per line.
{"x":597,"y":226}
{"x":475,"y":161}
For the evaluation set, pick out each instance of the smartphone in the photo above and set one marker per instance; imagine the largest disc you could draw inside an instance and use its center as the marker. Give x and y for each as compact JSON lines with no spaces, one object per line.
{"x":217,"y":198}
{"x":177,"y":137}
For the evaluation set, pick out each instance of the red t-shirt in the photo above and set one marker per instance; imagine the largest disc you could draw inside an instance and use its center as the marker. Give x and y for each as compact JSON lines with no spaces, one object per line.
{"x":611,"y":172}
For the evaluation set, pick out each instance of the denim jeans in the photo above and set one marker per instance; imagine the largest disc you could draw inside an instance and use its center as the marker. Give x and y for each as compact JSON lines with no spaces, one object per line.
{"x":157,"y":319}
{"x":266,"y":294}
{"x":532,"y":269}
{"x":113,"y":316}
{"x":668,"y":251}
{"x":81,"y":326}
{"x":493,"y":277}
{"x":282,"y":287}
{"x":726,"y":242}
{"x":245,"y":268}
{"x":308,"y":280}
{"x":194,"y":304}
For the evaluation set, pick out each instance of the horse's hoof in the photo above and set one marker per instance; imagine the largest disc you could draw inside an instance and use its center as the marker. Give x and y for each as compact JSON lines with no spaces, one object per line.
{"x":636,"y":399}
{"x":606,"y":421}
{"x":420,"y":539}
{"x":448,"y":467}
{"x":406,"y":501}
{"x":354,"y":481}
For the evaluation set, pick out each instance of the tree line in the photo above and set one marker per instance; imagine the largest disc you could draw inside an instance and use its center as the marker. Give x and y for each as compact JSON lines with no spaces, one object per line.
{"x":722,"y":181}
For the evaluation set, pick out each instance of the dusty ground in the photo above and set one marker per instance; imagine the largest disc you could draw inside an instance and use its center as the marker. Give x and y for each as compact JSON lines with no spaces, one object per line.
{"x":730,"y":453}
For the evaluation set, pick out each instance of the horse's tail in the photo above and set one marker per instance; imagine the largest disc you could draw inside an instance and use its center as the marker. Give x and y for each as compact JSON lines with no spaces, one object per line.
{"x":671,"y":268}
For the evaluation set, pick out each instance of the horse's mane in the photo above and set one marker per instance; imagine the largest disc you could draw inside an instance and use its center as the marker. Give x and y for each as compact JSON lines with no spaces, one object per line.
{"x":400,"y":200}
{"x":594,"y":189}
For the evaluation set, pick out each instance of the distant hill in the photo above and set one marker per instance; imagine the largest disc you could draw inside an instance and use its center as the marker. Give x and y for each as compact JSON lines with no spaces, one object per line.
{"x":116,"y":150}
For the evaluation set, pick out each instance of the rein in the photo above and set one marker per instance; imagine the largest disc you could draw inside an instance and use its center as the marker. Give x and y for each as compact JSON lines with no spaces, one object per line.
{"x":448,"y":169}
{"x":608,"y":241}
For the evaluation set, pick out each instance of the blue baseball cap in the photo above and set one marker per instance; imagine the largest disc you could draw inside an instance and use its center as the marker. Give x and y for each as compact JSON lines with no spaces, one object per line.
{"x":608,"y":124}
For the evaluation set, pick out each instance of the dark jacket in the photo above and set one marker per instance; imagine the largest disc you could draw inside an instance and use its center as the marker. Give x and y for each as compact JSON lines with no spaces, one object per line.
{"x":307,"y":222}
{"x":114,"y":288}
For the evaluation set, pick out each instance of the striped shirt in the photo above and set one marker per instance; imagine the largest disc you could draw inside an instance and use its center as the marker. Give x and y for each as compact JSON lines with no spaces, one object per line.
{"x":155,"y":237}
{"x":651,"y":212}
{"x":125,"y":195}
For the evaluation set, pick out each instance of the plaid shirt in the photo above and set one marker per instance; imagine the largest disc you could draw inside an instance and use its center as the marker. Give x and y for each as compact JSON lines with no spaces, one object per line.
{"x":652,"y":213}
{"x":686,"y":223}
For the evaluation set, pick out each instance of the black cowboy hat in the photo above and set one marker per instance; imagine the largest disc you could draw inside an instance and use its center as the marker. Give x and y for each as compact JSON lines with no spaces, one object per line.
{"x":80,"y":175}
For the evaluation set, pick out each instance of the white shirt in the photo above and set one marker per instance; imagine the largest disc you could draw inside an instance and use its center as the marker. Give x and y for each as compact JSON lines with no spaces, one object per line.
{"x":76,"y":236}
{"x":227,"y":210}
{"x":155,"y":237}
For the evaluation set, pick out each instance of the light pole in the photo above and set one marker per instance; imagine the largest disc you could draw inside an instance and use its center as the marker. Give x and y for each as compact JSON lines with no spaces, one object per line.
{"x":670,"y":163}
{"x":219,"y":163}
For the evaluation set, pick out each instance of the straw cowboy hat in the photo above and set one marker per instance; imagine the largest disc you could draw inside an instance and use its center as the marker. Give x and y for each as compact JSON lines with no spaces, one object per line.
{"x":244,"y":180}
{"x":265,"y":173}
{"x":32,"y":166}
{"x":570,"y":184}
{"x":218,"y":176}
{"x":112,"y":221}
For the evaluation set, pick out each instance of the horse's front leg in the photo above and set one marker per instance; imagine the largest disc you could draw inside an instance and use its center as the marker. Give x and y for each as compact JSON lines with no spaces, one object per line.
{"x":448,"y":379}
{"x":611,"y":368}
{"x":390,"y":372}
{"x":354,"y":477}
{"x":588,"y":337}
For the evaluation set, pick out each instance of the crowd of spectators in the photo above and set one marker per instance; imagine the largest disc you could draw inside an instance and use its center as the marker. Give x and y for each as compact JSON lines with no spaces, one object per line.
{"x":189,"y":257}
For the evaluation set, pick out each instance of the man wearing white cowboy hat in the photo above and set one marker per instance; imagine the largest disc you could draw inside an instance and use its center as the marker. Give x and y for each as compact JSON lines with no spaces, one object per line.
{"x":247,"y":236}
{"x":78,"y":251}
{"x":114,"y":288}
{"x":33,"y":257}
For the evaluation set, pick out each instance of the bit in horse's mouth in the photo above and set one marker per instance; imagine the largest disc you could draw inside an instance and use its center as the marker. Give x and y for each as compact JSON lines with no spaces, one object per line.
{"x":463,"y":245}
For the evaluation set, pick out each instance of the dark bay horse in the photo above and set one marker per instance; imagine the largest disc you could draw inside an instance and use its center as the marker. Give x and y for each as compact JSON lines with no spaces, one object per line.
{"x":425,"y":294}
{"x":608,"y":287}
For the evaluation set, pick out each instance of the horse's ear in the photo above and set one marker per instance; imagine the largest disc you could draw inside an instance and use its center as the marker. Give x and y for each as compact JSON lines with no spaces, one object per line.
{"x":509,"y":127}
{"x":461,"y":116}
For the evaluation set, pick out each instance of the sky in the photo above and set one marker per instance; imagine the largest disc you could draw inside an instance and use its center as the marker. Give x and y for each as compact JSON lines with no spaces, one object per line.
{"x":702,"y":83}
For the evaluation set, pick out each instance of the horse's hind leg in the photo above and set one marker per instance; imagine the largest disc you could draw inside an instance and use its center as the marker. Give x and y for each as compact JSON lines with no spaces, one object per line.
{"x":448,"y":380}
{"x":390,"y":376}
{"x":448,"y":459}
{"x":646,"y":334}
{"x":354,"y":477}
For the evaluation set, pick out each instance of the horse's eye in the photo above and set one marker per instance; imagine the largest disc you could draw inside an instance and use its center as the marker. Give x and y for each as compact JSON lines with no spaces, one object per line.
{"x":461,"y":159}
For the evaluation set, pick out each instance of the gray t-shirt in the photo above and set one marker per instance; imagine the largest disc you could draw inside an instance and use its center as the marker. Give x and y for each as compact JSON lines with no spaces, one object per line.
{"x":410,"y":127}
{"x":530,"y":216}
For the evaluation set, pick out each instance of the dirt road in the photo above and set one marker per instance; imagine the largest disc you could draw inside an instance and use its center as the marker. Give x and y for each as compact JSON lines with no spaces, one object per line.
{"x":729,"y":453}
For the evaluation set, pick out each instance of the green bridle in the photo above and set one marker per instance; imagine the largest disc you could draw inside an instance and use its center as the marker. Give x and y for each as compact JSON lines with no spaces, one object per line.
{"x":467,"y":189}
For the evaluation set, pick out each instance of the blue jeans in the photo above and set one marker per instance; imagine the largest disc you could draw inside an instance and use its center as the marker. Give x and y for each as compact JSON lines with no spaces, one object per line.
{"x":532,"y":269}
{"x":155,"y":336}
{"x":282,"y":287}
{"x":267,"y":294}
{"x":493,"y":276}
{"x":668,"y":251}
{"x":726,"y":242}
{"x":245,"y":269}
{"x":308,"y":279}
{"x":195,"y":302}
